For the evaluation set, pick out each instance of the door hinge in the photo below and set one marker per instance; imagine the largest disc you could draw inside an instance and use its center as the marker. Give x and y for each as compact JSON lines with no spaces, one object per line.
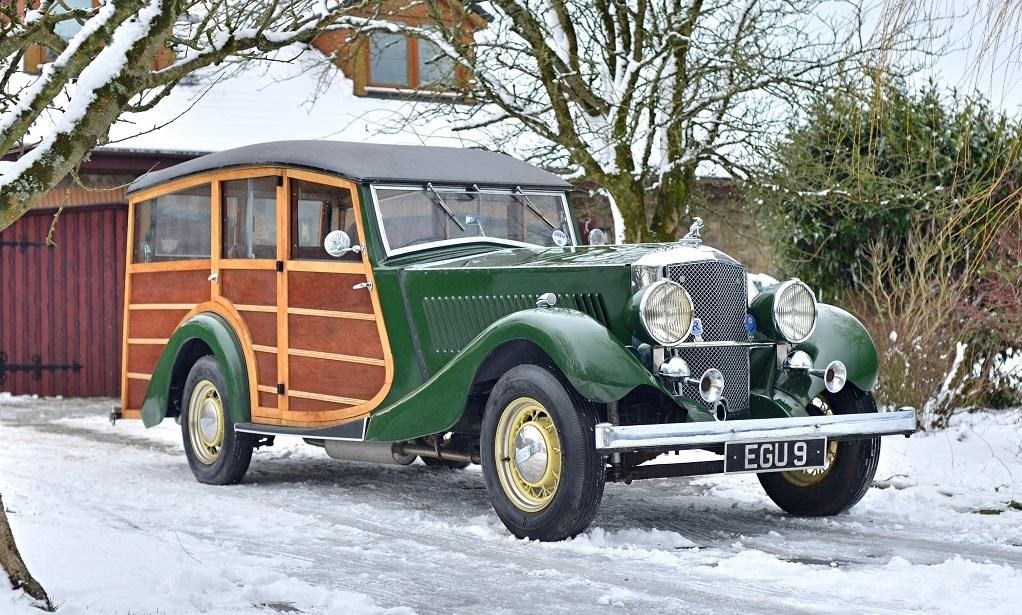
{"x":280,"y":389}
{"x":280,"y":181}
{"x":35,"y":367}
{"x":280,"y":266}
{"x":363,"y":286}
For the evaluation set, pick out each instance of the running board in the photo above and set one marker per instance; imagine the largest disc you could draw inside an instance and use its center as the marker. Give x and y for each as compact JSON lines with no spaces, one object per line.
{"x":355,"y":430}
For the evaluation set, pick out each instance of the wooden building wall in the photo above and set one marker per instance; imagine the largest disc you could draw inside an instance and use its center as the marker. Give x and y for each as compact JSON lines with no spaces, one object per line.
{"x":61,"y":305}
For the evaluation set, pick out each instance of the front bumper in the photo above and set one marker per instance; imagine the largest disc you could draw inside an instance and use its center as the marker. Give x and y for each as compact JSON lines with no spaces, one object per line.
{"x":671,"y":436}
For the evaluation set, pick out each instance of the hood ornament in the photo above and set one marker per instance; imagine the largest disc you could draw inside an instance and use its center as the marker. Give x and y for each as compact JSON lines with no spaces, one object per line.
{"x":692,"y":238}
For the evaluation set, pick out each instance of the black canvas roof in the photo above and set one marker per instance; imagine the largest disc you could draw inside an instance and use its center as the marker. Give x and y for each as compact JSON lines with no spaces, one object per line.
{"x":371,"y":162}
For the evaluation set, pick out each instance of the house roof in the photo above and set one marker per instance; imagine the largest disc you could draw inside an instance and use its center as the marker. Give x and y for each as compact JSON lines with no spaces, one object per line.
{"x":371,"y":162}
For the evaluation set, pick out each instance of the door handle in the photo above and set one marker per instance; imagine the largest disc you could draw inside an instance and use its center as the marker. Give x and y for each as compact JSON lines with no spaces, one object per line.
{"x":363,"y":285}
{"x":214,"y":277}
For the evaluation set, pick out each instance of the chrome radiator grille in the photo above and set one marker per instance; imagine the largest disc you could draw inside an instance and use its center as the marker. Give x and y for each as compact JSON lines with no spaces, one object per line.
{"x":719,"y":296}
{"x":733,"y":363}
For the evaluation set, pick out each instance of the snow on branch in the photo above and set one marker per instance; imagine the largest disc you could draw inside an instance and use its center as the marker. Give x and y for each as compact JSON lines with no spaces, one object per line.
{"x":637,"y":94}
{"x":52,"y":117}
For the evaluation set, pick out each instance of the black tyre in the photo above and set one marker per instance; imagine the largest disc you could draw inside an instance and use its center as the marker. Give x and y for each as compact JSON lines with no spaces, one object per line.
{"x":444,"y":463}
{"x":539,"y":458}
{"x":847,"y":475}
{"x":216,"y":454}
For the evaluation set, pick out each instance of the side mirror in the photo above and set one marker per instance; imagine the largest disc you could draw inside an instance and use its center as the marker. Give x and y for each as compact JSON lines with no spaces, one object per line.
{"x":337,"y":244}
{"x":597,"y":237}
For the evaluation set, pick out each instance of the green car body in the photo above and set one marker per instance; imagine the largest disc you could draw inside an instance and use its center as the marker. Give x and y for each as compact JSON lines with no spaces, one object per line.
{"x":457,"y":315}
{"x":489,"y":335}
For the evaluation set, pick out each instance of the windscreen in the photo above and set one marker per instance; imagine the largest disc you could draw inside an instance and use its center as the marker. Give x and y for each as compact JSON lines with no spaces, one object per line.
{"x":419,"y":216}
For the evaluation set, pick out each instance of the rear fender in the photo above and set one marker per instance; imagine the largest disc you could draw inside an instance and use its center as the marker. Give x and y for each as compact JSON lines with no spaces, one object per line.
{"x":202,"y":333}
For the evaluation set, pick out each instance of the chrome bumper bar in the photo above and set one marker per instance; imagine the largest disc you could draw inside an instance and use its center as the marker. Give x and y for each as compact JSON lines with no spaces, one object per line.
{"x":611,"y":438}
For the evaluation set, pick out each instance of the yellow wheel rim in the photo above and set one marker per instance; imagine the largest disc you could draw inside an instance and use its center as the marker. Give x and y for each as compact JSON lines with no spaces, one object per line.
{"x":206,"y":422}
{"x":528,"y":454}
{"x":809,"y":478}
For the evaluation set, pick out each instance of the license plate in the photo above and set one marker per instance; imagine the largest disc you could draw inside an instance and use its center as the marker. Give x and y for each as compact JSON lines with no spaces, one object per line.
{"x":775,"y":455}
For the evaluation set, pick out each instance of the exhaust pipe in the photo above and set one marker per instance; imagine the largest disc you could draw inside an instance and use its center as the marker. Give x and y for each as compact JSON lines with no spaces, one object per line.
{"x":370,"y":452}
{"x":429,"y":451}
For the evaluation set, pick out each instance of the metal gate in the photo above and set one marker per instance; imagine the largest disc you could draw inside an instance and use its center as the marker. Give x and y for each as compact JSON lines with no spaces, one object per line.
{"x":60,"y":306}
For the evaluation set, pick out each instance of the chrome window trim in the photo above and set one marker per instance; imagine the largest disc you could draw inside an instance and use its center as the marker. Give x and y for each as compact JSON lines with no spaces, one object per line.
{"x":466,"y":240}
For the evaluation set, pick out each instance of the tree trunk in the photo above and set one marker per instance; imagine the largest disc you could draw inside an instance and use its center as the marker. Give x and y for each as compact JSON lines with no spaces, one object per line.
{"x":14,"y":566}
{"x":672,"y":201}
{"x":630,"y":199}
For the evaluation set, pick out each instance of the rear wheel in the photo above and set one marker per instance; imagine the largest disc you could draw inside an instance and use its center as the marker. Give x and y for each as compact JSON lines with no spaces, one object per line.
{"x":847,"y":475}
{"x":543,"y":474}
{"x":216,"y":453}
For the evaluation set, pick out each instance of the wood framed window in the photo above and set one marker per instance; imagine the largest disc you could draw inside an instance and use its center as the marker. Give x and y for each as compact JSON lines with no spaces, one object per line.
{"x":249,"y":218}
{"x":399,"y":61}
{"x":173,"y":226}
{"x":317,"y":209}
{"x":35,"y":54}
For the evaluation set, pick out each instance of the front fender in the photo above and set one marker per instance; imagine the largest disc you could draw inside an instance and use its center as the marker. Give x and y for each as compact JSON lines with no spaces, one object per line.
{"x":838,"y":336}
{"x":596,"y":364}
{"x":219,"y":338}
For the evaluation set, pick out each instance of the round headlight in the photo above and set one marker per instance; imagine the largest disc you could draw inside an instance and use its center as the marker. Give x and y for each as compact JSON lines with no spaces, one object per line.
{"x":666,"y":312}
{"x":795,"y":311}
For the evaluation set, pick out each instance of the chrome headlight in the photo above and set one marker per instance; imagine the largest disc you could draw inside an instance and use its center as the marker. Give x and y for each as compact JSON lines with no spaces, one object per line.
{"x":666,"y":312}
{"x":794,"y":311}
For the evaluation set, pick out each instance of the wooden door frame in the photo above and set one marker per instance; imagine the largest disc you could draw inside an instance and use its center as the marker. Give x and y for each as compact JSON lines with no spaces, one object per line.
{"x":356,"y":408}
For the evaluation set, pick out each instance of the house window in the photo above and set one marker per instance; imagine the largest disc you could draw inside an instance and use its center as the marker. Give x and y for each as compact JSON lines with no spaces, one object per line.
{"x":388,"y":59}
{"x":69,"y":27}
{"x":400,"y":61}
{"x":435,"y":67}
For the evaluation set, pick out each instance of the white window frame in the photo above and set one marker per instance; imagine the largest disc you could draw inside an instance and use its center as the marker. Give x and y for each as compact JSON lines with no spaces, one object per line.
{"x":467,"y":240}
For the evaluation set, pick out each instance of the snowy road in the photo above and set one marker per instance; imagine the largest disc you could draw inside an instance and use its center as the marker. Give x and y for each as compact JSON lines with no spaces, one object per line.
{"x":111,"y":521}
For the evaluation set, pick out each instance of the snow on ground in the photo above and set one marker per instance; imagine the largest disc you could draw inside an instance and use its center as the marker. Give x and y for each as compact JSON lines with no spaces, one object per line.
{"x":111,"y":521}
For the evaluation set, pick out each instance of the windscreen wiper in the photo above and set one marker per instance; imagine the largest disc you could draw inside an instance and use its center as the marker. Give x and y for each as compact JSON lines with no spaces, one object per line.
{"x":439,"y":201}
{"x":525,"y":200}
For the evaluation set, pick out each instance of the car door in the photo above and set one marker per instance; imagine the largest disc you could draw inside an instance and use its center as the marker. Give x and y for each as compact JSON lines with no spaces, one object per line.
{"x":333,"y":356}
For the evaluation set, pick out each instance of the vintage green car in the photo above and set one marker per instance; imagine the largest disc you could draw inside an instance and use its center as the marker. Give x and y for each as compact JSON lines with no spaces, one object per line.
{"x":393,"y":302}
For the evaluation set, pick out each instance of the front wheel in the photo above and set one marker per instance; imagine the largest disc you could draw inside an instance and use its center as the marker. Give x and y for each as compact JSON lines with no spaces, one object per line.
{"x":543,"y":474}
{"x":847,"y":475}
{"x":216,"y":453}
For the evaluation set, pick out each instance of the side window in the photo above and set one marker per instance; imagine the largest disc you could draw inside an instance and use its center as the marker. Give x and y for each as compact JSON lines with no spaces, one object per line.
{"x":388,"y":59}
{"x":317,"y":209}
{"x":173,"y":226}
{"x":249,"y":218}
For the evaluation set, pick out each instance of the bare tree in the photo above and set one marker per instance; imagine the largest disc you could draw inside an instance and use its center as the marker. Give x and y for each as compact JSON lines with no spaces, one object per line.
{"x":53,"y":119}
{"x":14,"y":566}
{"x":637,"y":95}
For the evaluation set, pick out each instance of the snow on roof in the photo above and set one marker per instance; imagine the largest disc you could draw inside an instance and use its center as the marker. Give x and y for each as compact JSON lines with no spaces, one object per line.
{"x":297,"y":94}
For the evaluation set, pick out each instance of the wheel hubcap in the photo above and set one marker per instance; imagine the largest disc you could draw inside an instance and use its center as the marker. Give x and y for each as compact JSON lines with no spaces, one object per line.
{"x":809,"y":478}
{"x":206,"y":422}
{"x":528,"y":454}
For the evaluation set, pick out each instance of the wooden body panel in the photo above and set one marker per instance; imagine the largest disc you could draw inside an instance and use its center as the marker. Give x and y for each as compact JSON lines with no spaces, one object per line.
{"x":315,"y":347}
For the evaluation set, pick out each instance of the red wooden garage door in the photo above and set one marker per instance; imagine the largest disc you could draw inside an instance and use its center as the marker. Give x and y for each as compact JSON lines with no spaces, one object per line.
{"x":60,"y":307}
